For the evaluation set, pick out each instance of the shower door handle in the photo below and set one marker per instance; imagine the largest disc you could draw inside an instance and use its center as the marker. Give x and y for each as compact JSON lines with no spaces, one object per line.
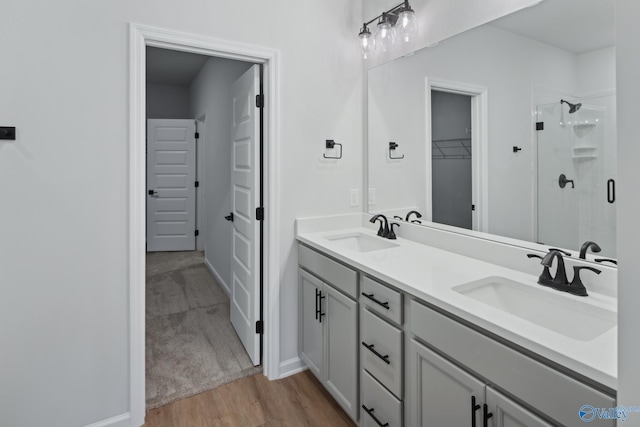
{"x":611,"y":190}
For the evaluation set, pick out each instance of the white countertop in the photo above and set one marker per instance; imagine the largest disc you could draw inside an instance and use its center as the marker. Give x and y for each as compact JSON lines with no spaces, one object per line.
{"x":430,"y":274}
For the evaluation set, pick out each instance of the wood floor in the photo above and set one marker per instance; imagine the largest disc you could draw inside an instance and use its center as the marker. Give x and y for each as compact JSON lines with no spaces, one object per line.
{"x":298,"y":400}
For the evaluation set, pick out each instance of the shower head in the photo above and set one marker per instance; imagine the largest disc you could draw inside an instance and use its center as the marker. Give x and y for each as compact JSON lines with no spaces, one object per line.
{"x":572,"y":107}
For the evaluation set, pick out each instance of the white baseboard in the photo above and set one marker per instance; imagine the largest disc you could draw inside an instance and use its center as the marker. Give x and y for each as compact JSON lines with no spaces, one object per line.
{"x":122,"y":420}
{"x":291,"y":367}
{"x":217,"y":277}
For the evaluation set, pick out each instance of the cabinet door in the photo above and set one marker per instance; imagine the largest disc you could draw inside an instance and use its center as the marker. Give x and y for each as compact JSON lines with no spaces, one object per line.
{"x":341,"y":341}
{"x":506,"y":413}
{"x":442,"y":393}
{"x":311,"y":337}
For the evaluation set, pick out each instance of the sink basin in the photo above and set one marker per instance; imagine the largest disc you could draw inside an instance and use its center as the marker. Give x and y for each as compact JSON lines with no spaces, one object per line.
{"x":570,"y":317}
{"x":361,"y":242}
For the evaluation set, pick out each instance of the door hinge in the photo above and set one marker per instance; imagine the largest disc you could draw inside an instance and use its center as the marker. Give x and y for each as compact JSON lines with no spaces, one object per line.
{"x":473,"y":207}
{"x":197,"y":135}
{"x":197,"y":184}
{"x":260,"y":101}
{"x":260,"y":213}
{"x":196,"y":233}
{"x":259,"y":327}
{"x":539,"y":125}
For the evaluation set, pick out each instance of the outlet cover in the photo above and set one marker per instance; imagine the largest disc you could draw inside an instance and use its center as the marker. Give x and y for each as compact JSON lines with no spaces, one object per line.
{"x":354,"y":197}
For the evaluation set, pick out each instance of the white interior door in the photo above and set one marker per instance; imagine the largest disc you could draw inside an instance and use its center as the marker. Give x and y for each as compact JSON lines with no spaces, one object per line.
{"x":171,"y":177}
{"x":245,"y":181}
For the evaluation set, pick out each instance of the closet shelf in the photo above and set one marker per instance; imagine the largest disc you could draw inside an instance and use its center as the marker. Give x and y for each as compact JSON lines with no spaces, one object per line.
{"x":451,"y":148}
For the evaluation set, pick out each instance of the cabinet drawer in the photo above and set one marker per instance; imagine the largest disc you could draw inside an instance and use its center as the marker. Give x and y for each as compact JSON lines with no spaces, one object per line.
{"x":337,"y":275}
{"x":378,"y":404}
{"x":556,"y":394}
{"x":381,"y":348}
{"x":382,"y":299}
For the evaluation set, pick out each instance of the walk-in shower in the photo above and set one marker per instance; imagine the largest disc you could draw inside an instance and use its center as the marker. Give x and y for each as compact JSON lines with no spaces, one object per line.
{"x":576,"y":172}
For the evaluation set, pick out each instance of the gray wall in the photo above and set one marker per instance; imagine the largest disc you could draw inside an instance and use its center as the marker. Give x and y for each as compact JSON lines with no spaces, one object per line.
{"x":167,"y":101}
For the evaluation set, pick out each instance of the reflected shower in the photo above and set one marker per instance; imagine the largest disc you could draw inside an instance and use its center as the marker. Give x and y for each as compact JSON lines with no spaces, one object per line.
{"x":572,"y":107}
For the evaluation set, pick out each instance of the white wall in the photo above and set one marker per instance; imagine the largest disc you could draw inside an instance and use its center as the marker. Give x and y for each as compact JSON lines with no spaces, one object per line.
{"x":167,"y":101}
{"x":508,"y":66}
{"x":628,"y":70}
{"x":64,"y":224}
{"x":211,"y":97}
{"x":596,"y":71}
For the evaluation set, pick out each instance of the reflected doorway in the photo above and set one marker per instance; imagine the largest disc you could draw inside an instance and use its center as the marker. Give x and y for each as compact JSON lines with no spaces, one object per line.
{"x":451,"y":159}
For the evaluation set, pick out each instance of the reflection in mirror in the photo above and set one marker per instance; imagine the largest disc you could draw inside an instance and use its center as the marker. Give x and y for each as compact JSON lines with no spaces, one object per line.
{"x":508,"y":128}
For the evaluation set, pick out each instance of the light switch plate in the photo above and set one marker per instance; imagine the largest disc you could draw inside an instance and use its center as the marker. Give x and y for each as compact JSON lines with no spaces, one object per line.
{"x":372,"y":196}
{"x":354,"y":197}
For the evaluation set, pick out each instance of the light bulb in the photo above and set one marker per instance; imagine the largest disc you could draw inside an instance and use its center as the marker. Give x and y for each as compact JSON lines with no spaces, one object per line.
{"x":406,"y":26}
{"x":365,"y":41}
{"x":385,"y":35}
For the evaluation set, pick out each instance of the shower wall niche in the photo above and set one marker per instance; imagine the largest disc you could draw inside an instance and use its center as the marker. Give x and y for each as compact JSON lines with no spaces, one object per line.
{"x":582,"y":147}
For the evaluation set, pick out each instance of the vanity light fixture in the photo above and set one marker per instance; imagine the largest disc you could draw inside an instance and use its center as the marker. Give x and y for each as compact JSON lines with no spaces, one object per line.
{"x":398,"y":21}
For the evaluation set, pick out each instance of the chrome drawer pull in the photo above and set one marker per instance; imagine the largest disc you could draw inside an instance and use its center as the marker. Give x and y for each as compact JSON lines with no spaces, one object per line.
{"x":370,"y":296}
{"x":370,"y":348}
{"x":370,"y":412}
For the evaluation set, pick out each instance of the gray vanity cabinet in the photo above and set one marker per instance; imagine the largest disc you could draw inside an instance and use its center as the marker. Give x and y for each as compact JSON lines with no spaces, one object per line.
{"x":449,"y":396}
{"x":443,"y":392}
{"x":312,"y":342}
{"x":329,"y":326}
{"x":507,"y":413}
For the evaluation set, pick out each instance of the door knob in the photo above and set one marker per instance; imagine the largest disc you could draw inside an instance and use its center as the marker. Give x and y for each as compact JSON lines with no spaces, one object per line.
{"x":153,"y":193}
{"x":229,"y":217}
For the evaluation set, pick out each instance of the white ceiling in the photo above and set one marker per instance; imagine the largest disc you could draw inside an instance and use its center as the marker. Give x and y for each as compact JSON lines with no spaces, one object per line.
{"x":577,"y":26}
{"x":172,"y":67}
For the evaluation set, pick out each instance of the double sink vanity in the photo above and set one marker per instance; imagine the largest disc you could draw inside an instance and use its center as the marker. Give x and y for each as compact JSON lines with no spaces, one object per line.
{"x":435,"y":328}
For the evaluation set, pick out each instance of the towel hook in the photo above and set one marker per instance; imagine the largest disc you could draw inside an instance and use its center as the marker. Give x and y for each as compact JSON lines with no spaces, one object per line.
{"x":330,"y":143}
{"x":393,"y":146}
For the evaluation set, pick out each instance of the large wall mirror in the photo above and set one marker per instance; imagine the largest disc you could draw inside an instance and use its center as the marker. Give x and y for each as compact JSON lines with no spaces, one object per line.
{"x":507,"y":129}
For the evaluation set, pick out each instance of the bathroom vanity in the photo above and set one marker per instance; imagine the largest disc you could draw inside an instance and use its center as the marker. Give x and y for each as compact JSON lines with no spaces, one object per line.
{"x":407,"y":334}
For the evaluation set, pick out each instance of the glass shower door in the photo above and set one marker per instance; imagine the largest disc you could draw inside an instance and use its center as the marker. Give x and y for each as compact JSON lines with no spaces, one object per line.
{"x":576,"y":174}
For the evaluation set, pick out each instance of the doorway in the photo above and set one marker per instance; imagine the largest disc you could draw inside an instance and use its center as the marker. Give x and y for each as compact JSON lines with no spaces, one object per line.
{"x":456,"y":154}
{"x":201,"y":307}
{"x":451,"y":154}
{"x":141,"y":38}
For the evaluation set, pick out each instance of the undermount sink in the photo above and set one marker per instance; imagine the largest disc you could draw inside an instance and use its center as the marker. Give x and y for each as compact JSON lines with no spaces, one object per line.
{"x":570,"y":317}
{"x":361,"y":242}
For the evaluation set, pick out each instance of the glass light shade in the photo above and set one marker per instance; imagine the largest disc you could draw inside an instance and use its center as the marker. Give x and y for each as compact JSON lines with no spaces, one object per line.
{"x":385,"y":36}
{"x":406,"y":27}
{"x":365,"y":42}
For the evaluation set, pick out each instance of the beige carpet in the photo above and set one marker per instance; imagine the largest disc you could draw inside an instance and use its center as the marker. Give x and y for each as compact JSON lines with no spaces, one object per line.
{"x":191,"y":345}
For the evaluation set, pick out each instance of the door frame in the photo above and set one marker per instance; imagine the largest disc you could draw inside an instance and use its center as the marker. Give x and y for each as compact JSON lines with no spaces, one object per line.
{"x":141,"y":36}
{"x":479,"y":138}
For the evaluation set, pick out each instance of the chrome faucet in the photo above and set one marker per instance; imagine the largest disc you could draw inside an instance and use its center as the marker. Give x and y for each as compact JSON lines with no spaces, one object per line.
{"x":383,"y":231}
